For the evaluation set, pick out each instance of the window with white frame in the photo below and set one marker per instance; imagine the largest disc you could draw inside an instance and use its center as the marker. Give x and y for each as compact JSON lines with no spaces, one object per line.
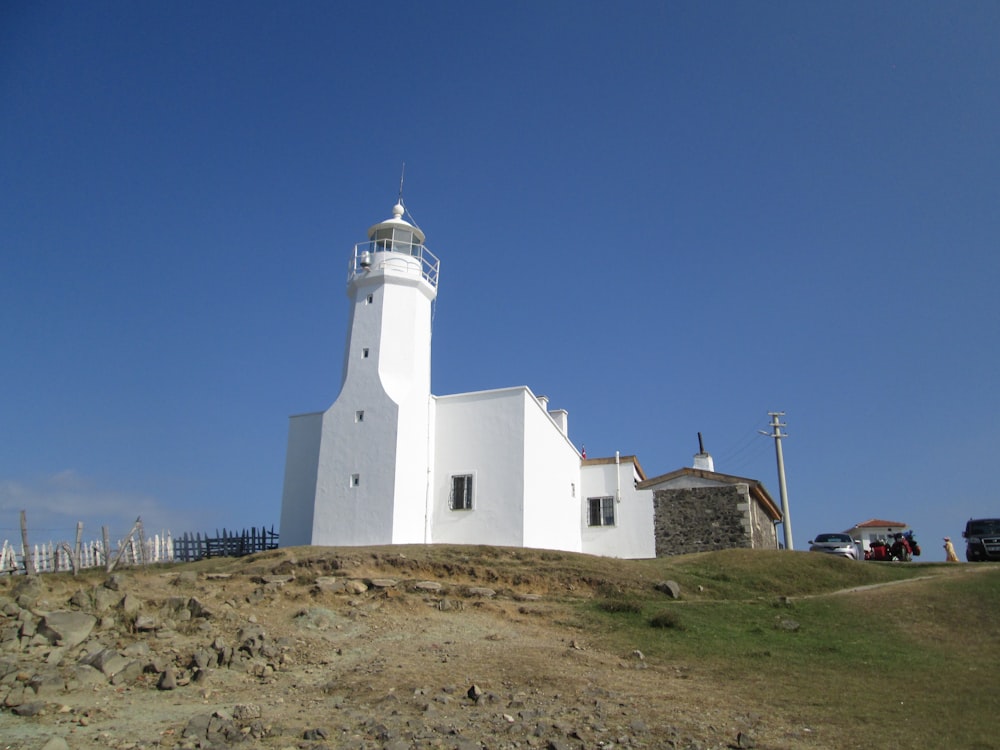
{"x":601,"y":511}
{"x":461,"y":492}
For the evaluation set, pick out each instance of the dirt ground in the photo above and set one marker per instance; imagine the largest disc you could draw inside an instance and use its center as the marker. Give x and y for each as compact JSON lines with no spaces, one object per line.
{"x":310,"y":649}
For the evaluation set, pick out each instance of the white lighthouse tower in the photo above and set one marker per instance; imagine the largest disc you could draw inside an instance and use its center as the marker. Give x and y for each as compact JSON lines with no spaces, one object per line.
{"x":360,"y":473}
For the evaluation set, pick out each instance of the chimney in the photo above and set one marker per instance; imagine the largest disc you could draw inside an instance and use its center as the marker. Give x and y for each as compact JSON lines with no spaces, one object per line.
{"x":703,"y":460}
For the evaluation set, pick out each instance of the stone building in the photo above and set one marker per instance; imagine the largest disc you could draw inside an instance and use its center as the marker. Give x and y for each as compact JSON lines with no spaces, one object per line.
{"x":701,"y":510}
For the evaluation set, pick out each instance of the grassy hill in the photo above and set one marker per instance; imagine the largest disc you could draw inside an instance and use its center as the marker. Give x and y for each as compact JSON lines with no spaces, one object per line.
{"x":762,"y":649}
{"x":898,"y":655}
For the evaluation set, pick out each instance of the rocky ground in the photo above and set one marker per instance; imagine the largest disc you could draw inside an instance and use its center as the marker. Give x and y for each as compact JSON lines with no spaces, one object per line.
{"x":306,"y":649}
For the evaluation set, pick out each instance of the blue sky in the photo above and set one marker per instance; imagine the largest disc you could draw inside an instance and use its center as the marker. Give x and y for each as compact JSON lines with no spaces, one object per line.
{"x":670,"y":218}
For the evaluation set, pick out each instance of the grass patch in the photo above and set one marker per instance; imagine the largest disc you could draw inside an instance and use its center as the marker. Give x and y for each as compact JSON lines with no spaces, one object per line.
{"x":619,"y":606}
{"x":908,"y":663}
{"x":666,"y":620}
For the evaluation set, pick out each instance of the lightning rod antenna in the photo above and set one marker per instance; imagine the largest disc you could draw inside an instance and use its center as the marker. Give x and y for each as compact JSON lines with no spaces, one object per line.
{"x":402,"y":174}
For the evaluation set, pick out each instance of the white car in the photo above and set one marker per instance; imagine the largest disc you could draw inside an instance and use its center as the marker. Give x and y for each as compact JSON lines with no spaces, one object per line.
{"x":835,"y":544}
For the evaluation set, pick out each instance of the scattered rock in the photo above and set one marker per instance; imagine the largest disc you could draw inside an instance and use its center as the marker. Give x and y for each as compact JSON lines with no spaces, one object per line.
{"x":130,"y":604}
{"x":670,"y":588}
{"x":330,"y":584}
{"x":84,"y":675}
{"x":480,"y":591}
{"x":66,"y":628}
{"x":276,"y":580}
{"x":48,"y":685}
{"x":355,"y":587}
{"x":145,"y":623}
{"x":105,"y":599}
{"x":34,"y":708}
{"x":168,"y":680}
{"x":246,"y":711}
{"x":80,"y":600}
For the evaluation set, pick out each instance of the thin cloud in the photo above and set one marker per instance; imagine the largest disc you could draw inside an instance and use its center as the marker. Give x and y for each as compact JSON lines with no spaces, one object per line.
{"x":54,"y":504}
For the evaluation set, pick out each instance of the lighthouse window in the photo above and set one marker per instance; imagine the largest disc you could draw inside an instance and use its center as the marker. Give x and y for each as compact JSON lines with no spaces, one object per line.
{"x":461,"y":492}
{"x":359,"y":416}
{"x":394,"y":239}
{"x":601,"y":511}
{"x":364,"y":353}
{"x":355,"y":480}
{"x":369,"y":299}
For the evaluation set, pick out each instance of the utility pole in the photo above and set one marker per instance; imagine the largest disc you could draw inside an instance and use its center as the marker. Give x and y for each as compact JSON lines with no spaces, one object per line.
{"x":777,"y":435}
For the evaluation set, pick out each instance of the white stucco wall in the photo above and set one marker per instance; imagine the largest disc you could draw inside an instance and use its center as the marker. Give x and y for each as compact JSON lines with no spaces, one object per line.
{"x":632,"y":535}
{"x":298,"y":496}
{"x":552,"y":477}
{"x":525,"y":472}
{"x":481,"y":434}
{"x":371,"y":471}
{"x":347,"y":514}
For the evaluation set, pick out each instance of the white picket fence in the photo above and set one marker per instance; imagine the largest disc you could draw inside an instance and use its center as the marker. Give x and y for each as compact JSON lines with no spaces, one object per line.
{"x":53,"y":557}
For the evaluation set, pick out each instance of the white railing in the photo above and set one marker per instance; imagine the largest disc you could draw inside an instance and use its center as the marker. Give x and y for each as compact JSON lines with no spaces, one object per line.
{"x":402,"y":256}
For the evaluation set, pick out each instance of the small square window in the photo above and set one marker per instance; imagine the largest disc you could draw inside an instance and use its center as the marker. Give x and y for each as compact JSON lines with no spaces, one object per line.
{"x":355,"y":480}
{"x":461,"y":492}
{"x":601,"y":511}
{"x":364,"y":353}
{"x":359,"y":416}
{"x":369,"y":299}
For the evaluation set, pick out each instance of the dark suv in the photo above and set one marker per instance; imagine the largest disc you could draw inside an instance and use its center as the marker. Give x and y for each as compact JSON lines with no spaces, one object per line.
{"x":982,"y":539}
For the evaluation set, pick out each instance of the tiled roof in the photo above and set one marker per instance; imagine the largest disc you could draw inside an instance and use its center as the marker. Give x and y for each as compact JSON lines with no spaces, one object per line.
{"x":872,"y":522}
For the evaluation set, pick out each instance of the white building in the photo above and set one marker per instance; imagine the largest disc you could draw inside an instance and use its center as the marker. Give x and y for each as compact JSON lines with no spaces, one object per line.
{"x":390,"y":463}
{"x":876,"y":529}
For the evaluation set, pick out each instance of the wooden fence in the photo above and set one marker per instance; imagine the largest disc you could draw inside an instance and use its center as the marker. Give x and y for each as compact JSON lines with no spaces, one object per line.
{"x":133,"y":549}
{"x":190,"y":547}
{"x":53,"y":557}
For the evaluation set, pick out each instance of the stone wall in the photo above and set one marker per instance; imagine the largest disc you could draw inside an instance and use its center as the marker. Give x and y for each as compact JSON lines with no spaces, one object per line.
{"x":703,"y":519}
{"x":764,"y":534}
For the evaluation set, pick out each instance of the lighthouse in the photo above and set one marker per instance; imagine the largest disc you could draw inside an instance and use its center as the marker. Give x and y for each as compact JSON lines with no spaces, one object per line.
{"x":391,"y":463}
{"x":360,"y":473}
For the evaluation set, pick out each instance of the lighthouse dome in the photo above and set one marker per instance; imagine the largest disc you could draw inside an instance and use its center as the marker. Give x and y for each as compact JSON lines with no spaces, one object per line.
{"x":396,"y":234}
